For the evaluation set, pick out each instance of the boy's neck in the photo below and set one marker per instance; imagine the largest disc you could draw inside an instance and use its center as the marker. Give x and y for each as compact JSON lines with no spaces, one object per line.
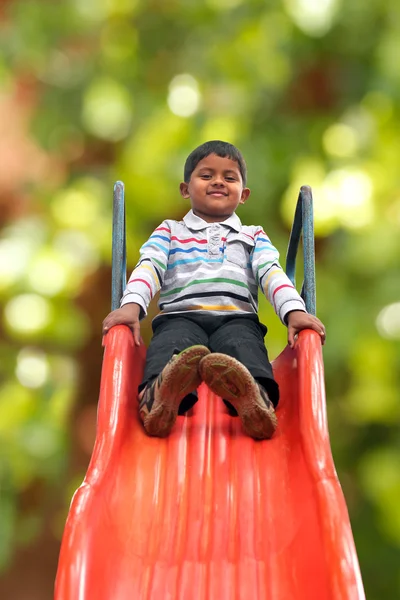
{"x":213,"y":219}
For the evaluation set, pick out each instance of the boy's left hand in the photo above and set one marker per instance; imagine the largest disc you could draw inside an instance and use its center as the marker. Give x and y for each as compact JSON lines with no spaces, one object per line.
{"x":298,"y":320}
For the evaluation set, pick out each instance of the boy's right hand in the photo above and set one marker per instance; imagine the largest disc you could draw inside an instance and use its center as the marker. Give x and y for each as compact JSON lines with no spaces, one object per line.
{"x":126,"y":315}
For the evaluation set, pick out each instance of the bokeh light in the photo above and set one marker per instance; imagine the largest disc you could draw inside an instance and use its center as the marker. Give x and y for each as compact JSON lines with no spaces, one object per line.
{"x":74,"y":208}
{"x":314,"y":17}
{"x":388,"y":321}
{"x":350,"y":192}
{"x":17,"y":245}
{"x":310,"y":171}
{"x":340,"y":140}
{"x":76,"y":249}
{"x":32,"y":368}
{"x":14,"y":258}
{"x":184,"y":95}
{"x":80,"y":206}
{"x":27,"y":313}
{"x":47,"y":274}
{"x":341,"y":198}
{"x":107,"y":109}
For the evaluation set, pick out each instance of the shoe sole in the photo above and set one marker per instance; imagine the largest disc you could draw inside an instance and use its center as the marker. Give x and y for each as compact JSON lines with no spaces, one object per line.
{"x":181,"y":378}
{"x":231,"y":380}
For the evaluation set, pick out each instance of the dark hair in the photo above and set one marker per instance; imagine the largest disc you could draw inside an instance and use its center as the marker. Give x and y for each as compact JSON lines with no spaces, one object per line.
{"x":222,"y":149}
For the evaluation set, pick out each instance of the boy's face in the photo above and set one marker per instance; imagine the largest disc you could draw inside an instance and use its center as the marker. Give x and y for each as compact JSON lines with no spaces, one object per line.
{"x":215,"y":188}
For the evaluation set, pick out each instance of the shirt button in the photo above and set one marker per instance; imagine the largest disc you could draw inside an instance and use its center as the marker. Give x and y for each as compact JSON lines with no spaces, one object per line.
{"x":214,"y":240}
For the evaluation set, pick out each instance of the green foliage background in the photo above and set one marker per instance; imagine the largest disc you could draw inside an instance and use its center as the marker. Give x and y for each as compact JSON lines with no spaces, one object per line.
{"x":99,"y":90}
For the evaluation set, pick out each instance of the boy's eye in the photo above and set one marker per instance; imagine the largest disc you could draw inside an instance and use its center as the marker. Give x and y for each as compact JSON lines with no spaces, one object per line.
{"x":230,"y":178}
{"x":205,"y":176}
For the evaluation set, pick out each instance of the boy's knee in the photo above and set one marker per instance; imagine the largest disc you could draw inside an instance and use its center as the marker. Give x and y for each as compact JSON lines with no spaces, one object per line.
{"x":237,"y":335}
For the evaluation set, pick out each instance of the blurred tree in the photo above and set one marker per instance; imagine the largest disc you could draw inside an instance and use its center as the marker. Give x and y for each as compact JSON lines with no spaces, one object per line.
{"x":124,"y":89}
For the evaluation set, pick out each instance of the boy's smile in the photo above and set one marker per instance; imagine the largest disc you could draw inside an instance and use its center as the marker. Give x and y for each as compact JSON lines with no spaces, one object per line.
{"x":215,"y":188}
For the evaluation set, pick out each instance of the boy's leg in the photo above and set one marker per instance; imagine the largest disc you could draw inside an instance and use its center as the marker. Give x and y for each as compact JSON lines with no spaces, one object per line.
{"x":243,"y":339}
{"x":159,"y":403}
{"x":171,"y":336}
{"x":239,"y":371}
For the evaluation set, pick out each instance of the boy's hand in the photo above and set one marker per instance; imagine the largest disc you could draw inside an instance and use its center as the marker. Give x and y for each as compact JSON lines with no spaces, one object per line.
{"x":126,"y":315}
{"x":298,"y":320}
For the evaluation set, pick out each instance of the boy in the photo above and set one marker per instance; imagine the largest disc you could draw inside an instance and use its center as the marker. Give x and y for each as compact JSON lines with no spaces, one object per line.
{"x":208,"y":268}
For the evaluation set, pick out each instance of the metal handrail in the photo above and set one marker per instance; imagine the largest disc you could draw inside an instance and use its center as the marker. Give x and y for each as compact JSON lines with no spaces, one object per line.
{"x":118,"y":262}
{"x":303,"y":223}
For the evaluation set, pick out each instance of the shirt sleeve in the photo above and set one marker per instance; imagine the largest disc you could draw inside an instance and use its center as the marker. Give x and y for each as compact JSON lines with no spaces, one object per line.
{"x":273,"y":281}
{"x":148,"y":275}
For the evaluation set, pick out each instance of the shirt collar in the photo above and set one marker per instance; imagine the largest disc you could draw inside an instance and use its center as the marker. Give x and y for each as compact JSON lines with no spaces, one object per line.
{"x":196,"y":223}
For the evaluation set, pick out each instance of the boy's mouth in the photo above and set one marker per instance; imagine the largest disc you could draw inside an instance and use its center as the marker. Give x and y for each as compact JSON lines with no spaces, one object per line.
{"x":217,"y":194}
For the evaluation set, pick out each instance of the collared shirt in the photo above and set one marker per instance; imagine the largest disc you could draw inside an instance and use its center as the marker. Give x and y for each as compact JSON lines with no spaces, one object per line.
{"x":212,"y":267}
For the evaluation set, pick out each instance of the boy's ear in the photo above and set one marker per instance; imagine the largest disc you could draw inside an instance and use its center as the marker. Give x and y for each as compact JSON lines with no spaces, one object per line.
{"x":244,"y":196}
{"x":184,"y":190}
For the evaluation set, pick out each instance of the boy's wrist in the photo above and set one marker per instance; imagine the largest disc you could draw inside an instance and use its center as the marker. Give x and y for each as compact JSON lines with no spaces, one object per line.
{"x":132,"y":308}
{"x":136,"y":300}
{"x":295,"y":310}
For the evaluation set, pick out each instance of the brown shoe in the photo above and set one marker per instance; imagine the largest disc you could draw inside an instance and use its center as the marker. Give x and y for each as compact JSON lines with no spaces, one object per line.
{"x":231,"y":380}
{"x":160,"y":401}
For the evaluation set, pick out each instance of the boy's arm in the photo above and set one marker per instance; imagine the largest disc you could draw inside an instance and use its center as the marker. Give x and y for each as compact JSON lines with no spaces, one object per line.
{"x":148,"y":275}
{"x":279,"y":290}
{"x":273,"y":281}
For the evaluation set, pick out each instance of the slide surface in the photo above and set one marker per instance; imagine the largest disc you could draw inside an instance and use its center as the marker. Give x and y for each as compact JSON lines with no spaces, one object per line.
{"x":208,"y":513}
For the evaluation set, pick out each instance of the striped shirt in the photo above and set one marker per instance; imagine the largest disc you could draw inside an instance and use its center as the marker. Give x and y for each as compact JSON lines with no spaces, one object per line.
{"x":210,"y":267}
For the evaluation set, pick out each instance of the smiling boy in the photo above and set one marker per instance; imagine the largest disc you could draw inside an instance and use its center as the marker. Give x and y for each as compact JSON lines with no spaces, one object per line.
{"x":208,"y":268}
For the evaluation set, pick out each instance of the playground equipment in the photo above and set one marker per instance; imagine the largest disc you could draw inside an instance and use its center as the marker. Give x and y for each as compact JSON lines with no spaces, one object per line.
{"x":209,"y":513}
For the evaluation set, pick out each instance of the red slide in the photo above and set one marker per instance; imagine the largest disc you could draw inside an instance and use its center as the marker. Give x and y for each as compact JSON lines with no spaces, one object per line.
{"x":208,"y":513}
